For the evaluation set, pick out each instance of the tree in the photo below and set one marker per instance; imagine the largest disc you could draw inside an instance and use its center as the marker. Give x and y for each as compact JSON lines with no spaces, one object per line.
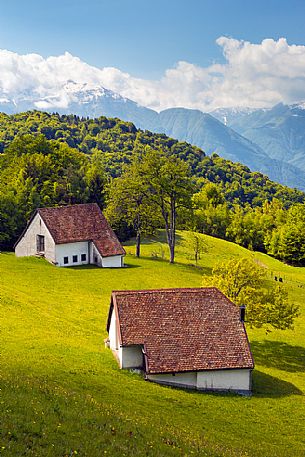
{"x":9,"y":223}
{"x":96,"y":179}
{"x":246,"y":228}
{"x":197,"y":244}
{"x":211,"y":212}
{"x":244,"y":282}
{"x":287,"y":240}
{"x":128,"y":202}
{"x":170,"y":188}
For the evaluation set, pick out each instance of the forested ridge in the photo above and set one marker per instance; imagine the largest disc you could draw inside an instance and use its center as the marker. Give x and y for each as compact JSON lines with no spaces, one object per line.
{"x":51,"y":159}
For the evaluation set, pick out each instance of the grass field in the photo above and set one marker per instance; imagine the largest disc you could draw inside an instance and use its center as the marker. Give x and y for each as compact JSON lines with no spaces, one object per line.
{"x":62,"y":393}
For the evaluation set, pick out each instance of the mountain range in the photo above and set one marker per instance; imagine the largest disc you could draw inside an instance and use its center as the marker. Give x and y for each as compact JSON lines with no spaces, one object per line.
{"x":271,"y":141}
{"x":279,"y":131}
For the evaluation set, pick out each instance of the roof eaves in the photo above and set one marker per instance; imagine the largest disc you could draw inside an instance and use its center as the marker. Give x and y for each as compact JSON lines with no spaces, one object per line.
{"x":201,"y":370}
{"x":109,"y":314}
{"x":104,"y":255}
{"x":114,"y":308}
{"x":248,"y":343}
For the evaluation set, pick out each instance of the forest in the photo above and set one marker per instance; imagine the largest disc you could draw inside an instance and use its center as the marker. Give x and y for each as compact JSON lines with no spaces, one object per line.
{"x":142,"y":181}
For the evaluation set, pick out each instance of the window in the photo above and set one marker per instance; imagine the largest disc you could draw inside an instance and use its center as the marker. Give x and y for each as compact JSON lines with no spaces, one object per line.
{"x":75,"y":258}
{"x":66,"y":260}
{"x":83,"y":257}
{"x":40,"y":243}
{"x":95,"y":259}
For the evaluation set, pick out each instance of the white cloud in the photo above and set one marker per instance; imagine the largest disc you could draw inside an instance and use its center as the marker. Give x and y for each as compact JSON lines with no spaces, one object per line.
{"x":255,"y":75}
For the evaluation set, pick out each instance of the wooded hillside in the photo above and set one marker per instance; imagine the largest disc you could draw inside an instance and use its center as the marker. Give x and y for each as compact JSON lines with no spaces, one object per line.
{"x":49,"y":159}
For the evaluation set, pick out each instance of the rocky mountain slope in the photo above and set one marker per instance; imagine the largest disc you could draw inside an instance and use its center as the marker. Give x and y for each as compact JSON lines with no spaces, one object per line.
{"x":279,"y":131}
{"x":211,"y":135}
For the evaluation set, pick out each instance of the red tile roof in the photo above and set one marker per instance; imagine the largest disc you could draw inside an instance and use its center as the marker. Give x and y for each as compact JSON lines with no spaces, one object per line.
{"x":183,"y":329}
{"x":85,"y":222}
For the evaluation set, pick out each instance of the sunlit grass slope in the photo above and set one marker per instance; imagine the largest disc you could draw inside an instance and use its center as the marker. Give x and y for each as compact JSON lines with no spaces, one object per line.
{"x":62,"y":393}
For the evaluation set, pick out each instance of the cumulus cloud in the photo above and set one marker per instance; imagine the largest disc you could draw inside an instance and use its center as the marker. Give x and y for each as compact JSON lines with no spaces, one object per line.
{"x":254,"y":75}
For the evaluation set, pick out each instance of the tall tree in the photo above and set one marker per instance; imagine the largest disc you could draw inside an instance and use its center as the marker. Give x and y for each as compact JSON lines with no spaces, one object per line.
{"x":287,"y":240}
{"x":170,"y":188}
{"x":96,"y":178}
{"x":128,"y":202}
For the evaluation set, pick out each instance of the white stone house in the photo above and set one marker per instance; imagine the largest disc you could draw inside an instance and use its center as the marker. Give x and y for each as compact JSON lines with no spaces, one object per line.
{"x":192,"y":338}
{"x":70,"y":236}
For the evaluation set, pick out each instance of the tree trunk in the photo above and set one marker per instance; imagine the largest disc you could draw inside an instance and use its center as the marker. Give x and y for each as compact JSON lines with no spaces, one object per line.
{"x":170,"y":227}
{"x":172,"y":230}
{"x":138,"y":243}
{"x":137,"y":226}
{"x":172,"y":253}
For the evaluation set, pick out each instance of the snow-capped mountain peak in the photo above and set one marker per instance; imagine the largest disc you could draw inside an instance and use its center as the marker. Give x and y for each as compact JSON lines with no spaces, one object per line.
{"x":298,"y":105}
{"x":60,"y":98}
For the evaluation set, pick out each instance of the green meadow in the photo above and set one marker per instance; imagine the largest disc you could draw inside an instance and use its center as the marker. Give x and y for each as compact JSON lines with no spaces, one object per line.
{"x":62,"y":393}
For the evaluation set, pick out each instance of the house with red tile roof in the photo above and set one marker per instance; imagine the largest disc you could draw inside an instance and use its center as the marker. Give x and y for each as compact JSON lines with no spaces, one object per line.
{"x":71,"y":235}
{"x":193,"y":338}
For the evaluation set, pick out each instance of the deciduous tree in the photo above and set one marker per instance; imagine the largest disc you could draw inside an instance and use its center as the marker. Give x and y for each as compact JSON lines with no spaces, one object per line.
{"x":170,"y":188}
{"x":245,"y":283}
{"x":129,"y":202}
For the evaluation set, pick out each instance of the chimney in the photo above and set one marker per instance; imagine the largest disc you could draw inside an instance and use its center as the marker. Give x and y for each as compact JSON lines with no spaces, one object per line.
{"x":242,"y":313}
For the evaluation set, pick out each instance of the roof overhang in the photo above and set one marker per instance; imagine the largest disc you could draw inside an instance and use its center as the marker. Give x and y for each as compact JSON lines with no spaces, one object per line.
{"x":113,"y":308}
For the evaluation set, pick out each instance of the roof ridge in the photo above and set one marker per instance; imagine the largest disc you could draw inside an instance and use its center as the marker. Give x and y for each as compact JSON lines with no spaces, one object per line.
{"x":171,"y":289}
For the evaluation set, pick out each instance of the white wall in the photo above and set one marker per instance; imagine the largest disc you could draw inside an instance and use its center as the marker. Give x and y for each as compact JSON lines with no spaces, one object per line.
{"x":114,"y":261}
{"x":70,"y":249}
{"x":187,"y":379}
{"x":95,"y":256}
{"x":92,"y":254}
{"x":234,"y":380}
{"x":27,"y":246}
{"x":131,"y":356}
{"x":224,"y":380}
{"x":113,"y":339}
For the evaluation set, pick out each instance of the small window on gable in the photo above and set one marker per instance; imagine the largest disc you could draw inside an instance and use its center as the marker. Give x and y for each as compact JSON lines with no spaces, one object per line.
{"x":95,"y":259}
{"x":83,"y":257}
{"x":75,"y":259}
{"x":66,"y":260}
{"x":40,"y":243}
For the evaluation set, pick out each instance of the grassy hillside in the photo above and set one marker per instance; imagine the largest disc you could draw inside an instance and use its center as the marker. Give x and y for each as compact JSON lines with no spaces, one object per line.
{"x":62,"y":393}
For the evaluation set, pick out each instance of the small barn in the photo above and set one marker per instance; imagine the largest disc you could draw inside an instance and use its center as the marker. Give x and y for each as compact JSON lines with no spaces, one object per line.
{"x":70,"y":236}
{"x":193,"y":338}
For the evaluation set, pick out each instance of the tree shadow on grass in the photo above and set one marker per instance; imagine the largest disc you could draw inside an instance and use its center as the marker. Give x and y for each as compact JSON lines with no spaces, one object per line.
{"x":265,"y":385}
{"x":128,"y":265}
{"x":198,"y":269}
{"x":282,"y":356}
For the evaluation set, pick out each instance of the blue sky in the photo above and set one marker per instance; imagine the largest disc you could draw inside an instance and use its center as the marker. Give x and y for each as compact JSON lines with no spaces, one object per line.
{"x":144,"y":37}
{"x":196,"y":54}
